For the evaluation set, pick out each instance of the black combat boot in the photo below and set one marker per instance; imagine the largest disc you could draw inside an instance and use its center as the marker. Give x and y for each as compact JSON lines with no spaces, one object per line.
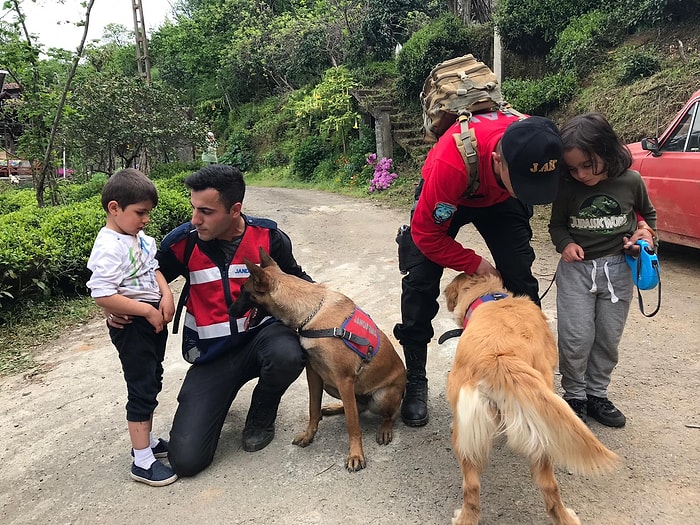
{"x":260,"y":424}
{"x":414,"y":408}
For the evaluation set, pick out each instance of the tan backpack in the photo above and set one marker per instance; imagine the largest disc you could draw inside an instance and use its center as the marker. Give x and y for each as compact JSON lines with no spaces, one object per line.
{"x":455,"y":90}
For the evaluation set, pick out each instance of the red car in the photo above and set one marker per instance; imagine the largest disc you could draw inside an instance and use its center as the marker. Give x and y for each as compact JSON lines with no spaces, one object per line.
{"x":670,"y":167}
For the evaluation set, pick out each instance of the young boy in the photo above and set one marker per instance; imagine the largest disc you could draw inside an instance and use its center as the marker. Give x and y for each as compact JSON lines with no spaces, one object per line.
{"x":126,"y":281}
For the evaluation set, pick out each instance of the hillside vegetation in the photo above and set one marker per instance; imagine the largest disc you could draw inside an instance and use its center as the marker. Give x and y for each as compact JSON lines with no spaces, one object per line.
{"x":643,"y":108}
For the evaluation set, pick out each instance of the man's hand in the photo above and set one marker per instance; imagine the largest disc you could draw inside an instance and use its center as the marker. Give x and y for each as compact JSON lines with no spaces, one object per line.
{"x":486,"y":268}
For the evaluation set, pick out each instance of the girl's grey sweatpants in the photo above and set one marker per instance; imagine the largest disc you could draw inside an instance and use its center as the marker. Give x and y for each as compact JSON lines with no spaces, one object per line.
{"x":593,"y":300}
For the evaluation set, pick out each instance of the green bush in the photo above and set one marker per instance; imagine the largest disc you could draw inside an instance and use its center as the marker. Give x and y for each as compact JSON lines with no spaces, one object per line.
{"x":274,"y":158}
{"x":375,"y":73}
{"x":73,"y":229}
{"x":308,"y":155}
{"x":539,"y":97}
{"x":258,"y":128}
{"x":27,"y":259}
{"x":584,"y":43}
{"x":532,"y":27}
{"x":175,"y":183}
{"x":239,"y":152}
{"x":444,"y":38}
{"x":71,"y":191}
{"x":44,"y":251}
{"x":173,"y":209}
{"x":641,"y":13}
{"x":13,"y":199}
{"x":633,"y":64}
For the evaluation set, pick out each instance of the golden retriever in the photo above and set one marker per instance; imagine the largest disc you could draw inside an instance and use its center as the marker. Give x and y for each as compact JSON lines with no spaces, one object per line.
{"x":502,"y":383}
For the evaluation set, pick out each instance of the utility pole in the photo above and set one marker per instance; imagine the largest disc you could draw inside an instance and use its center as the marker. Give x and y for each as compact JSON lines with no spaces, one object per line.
{"x":142,"y":59}
{"x":497,"y":51}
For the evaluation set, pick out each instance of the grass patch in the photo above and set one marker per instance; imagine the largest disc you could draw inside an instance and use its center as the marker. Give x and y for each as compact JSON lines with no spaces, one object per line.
{"x":24,"y":332}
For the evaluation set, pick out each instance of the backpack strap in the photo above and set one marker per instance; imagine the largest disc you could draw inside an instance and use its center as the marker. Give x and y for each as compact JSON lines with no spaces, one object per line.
{"x":466,"y":144}
{"x":467,"y":147}
{"x":505,"y":107}
{"x":185,"y":293}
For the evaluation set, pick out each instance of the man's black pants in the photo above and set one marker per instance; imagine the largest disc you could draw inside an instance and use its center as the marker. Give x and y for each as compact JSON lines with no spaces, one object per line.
{"x":274,"y":355}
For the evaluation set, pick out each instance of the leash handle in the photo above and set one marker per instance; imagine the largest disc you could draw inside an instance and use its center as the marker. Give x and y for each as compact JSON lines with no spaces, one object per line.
{"x":655,"y":265}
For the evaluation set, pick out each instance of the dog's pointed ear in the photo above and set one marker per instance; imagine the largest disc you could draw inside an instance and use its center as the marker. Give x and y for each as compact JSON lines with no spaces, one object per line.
{"x":253,"y":268}
{"x":259,"y":281}
{"x":265,"y":259}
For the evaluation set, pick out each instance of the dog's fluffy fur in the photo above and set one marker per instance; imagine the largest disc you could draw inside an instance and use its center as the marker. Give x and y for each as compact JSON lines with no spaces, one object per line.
{"x":331,"y":365}
{"x":502,"y":383}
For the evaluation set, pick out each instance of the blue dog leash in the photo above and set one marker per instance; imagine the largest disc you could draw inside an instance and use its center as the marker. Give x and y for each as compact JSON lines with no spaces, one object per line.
{"x":646,"y":274}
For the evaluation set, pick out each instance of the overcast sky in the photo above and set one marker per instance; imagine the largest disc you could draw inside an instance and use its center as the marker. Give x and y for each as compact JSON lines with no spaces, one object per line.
{"x":43,"y":17}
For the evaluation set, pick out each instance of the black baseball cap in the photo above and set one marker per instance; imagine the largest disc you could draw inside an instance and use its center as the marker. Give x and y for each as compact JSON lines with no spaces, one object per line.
{"x":533,"y":150}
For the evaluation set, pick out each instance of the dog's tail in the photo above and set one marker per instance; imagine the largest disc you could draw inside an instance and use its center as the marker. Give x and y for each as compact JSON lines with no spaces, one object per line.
{"x":514,"y":399}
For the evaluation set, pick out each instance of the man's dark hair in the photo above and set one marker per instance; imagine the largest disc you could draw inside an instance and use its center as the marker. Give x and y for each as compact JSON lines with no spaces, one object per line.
{"x":593,"y":135}
{"x":227,"y":180}
{"x":129,"y":186}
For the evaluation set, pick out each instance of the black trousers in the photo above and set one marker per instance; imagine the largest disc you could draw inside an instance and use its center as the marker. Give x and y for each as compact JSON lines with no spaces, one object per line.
{"x":505,"y":228}
{"x":141,"y":352}
{"x":274,"y":355}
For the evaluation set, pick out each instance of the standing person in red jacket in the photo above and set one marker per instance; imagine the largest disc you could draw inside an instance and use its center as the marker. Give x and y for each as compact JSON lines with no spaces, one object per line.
{"x":518,"y":166}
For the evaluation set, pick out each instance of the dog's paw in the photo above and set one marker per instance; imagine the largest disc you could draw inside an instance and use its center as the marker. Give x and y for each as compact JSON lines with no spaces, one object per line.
{"x":385,"y":434}
{"x":455,"y":516}
{"x":303,"y":439}
{"x":332,"y":409}
{"x":355,"y":463}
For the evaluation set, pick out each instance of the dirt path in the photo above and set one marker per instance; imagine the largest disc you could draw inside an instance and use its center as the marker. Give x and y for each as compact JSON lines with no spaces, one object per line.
{"x":64,"y":456}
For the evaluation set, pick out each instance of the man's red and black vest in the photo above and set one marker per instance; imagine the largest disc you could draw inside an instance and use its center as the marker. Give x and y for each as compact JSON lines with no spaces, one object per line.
{"x":208,"y":329}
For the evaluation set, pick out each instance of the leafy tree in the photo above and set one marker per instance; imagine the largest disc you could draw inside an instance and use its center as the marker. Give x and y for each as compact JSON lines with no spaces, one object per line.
{"x":37,"y":141}
{"x":327,"y":108}
{"x":115,"y":53}
{"x":121,"y":121}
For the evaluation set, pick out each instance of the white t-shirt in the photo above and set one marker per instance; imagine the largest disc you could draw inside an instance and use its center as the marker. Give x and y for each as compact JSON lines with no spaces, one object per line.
{"x":125,"y":265}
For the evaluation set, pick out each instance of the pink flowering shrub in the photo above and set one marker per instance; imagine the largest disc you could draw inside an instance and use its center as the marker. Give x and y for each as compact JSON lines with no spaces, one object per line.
{"x":383,"y":177}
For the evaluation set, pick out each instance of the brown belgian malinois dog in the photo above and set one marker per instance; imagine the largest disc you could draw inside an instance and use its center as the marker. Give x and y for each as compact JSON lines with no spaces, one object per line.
{"x":348,"y":356}
{"x":502,"y":383}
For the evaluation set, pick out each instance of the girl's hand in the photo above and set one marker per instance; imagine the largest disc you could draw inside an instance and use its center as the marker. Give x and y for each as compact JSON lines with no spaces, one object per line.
{"x":572,"y":253}
{"x":629,"y":244}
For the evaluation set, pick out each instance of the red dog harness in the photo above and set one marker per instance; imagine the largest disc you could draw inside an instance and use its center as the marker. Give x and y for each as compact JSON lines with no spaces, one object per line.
{"x":359,"y":332}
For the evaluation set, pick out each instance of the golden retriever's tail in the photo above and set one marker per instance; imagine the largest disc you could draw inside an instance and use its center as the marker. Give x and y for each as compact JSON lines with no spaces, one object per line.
{"x":514,"y":399}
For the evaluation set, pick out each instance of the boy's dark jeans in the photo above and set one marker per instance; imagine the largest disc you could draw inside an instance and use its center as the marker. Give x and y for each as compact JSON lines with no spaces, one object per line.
{"x":141,"y":352}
